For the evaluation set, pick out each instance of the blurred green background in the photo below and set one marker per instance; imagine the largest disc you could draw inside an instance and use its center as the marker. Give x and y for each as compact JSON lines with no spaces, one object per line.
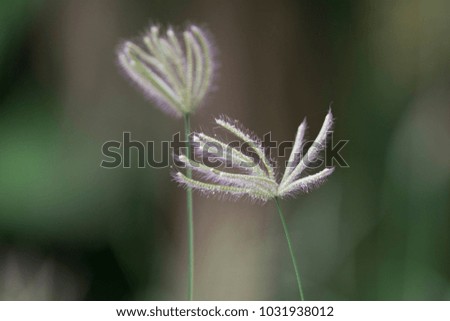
{"x":378,"y":230}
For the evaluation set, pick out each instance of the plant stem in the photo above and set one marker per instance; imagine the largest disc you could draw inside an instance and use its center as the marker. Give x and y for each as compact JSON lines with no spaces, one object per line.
{"x":288,"y":239}
{"x":190,"y":214}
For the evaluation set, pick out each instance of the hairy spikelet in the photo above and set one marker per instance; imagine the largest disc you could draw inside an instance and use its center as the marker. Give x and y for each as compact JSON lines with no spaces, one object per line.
{"x":257,"y":182}
{"x":311,"y":155}
{"x":173,"y":70}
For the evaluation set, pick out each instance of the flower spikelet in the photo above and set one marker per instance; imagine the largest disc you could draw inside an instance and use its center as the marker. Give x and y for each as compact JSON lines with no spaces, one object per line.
{"x":258,"y":179}
{"x":173,"y":70}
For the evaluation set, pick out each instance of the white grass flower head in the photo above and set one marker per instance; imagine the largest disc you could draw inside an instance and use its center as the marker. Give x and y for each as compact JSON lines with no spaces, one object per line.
{"x":174,"y":70}
{"x":254,"y":177}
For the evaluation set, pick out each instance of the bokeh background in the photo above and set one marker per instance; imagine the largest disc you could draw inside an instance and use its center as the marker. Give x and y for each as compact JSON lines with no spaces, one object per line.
{"x":378,"y":230}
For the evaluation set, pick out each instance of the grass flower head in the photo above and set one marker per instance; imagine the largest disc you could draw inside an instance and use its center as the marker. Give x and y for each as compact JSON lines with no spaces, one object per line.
{"x":174,"y":70}
{"x":254,"y":177}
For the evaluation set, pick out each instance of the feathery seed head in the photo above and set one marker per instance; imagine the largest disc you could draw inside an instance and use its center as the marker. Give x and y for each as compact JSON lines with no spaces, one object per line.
{"x":258,"y":182}
{"x":174,"y":71}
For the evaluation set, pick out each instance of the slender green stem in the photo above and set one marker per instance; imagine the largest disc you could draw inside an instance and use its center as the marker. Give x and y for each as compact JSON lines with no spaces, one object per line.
{"x":190,"y":214}
{"x":288,"y":239}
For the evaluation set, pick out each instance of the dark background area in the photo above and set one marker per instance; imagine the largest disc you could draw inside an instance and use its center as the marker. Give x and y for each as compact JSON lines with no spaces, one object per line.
{"x":378,"y":230}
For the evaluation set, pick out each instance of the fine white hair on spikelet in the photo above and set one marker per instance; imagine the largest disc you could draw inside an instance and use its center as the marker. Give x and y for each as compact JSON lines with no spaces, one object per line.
{"x":235,"y":154}
{"x":296,"y":149}
{"x":252,"y":142}
{"x":173,"y":70}
{"x":212,"y":189}
{"x":262,"y":184}
{"x":258,"y":184}
{"x":306,"y":183}
{"x":311,"y":155}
